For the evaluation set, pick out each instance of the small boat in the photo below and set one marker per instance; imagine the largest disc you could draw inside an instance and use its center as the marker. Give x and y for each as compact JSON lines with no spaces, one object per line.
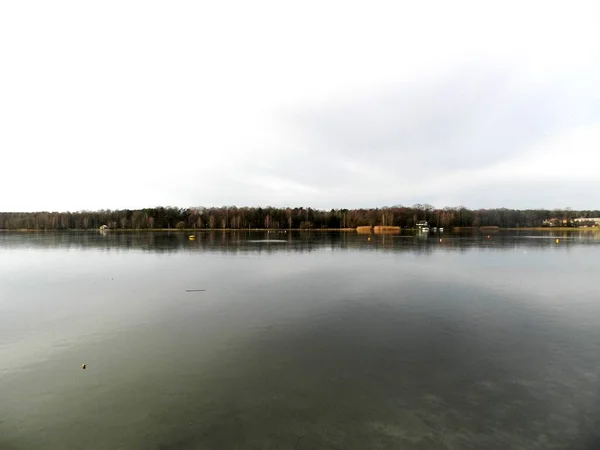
{"x":441,"y":230}
{"x":425,"y":229}
{"x":434,"y":229}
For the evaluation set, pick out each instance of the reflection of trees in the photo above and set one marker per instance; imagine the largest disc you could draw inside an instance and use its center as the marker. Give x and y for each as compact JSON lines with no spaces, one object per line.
{"x":268,"y":242}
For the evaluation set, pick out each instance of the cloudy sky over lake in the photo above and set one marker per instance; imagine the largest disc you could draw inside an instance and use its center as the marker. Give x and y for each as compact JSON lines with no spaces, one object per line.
{"x":127,"y":104}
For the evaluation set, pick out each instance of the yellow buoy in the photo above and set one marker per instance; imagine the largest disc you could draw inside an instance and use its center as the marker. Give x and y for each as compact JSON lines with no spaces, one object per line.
{"x":191,"y":237}
{"x":557,"y":241}
{"x":368,"y":239}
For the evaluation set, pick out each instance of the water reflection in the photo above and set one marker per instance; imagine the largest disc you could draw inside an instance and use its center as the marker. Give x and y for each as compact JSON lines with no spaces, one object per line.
{"x":269,"y":242}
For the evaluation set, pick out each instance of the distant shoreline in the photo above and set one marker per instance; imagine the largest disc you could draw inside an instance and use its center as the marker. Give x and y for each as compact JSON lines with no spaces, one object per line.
{"x":176,"y":230}
{"x":300,"y":218}
{"x":283,"y":231}
{"x":594,"y":229}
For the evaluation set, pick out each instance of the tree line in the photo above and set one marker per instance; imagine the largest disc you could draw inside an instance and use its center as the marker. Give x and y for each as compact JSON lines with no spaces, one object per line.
{"x":232,"y":217}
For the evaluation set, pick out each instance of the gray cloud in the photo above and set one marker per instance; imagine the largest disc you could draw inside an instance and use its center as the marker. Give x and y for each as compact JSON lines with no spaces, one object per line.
{"x":261,"y":112}
{"x":529,"y":194}
{"x":468,"y":120}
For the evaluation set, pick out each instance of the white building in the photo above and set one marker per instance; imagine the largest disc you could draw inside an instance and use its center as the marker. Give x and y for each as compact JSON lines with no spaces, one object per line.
{"x":587,"y":221}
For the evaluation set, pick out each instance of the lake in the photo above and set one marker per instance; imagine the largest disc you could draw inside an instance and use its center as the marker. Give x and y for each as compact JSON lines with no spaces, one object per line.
{"x":300,"y":340}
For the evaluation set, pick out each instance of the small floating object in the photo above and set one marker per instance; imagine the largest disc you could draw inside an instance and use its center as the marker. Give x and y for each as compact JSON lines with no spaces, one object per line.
{"x":268,"y":241}
{"x":369,"y":238}
{"x":489,"y":236}
{"x":441,"y":240}
{"x":84,"y":366}
{"x":557,"y":241}
{"x":195,"y":290}
{"x":191,"y":237}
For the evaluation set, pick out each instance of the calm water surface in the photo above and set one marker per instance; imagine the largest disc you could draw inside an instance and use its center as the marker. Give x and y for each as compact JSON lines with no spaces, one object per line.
{"x":300,"y":341}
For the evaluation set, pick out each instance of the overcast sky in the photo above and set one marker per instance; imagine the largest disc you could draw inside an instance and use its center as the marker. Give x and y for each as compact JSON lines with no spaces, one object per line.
{"x":127,"y":104}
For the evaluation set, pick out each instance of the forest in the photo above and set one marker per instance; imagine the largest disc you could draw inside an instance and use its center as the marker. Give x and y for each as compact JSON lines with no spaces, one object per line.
{"x":232,"y":217}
